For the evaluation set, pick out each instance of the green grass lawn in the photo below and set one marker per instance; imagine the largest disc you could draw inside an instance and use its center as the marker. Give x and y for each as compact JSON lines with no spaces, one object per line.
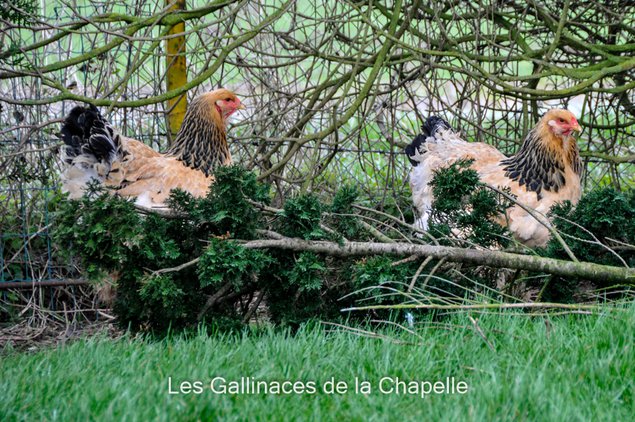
{"x":567,"y":367}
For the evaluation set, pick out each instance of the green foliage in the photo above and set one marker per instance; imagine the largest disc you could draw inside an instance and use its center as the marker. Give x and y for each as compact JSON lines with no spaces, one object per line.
{"x":369,"y":274}
{"x":307,"y":272}
{"x":162,"y":297}
{"x":453,"y":185}
{"x":94,"y":227}
{"x":302,"y":217}
{"x":109,"y":237}
{"x":603,"y":215}
{"x":382,"y":280}
{"x":305,"y":285}
{"x":227,"y":262}
{"x":294,"y":302}
{"x":347,"y":224}
{"x":172,"y":272}
{"x":298,"y":289}
{"x":465,"y":205}
{"x":227,"y":207}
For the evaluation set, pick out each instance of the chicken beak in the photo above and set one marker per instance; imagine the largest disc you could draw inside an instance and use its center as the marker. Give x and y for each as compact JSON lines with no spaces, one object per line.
{"x":241,"y":107}
{"x":577,"y":127}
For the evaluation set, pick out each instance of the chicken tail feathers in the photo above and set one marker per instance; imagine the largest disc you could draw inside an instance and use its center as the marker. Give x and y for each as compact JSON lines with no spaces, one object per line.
{"x":86,"y":132}
{"x":434,"y":124}
{"x":92,"y":146}
{"x":416,"y":149}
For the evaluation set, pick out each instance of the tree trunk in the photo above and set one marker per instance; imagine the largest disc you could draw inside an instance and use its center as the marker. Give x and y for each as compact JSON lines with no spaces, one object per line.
{"x":176,"y":74}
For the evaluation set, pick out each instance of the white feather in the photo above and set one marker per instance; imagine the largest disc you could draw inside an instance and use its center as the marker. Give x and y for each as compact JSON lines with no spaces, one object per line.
{"x":422,"y":174}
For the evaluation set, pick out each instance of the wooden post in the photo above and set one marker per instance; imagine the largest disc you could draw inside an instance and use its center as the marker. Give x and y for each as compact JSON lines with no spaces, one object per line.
{"x":176,"y":74}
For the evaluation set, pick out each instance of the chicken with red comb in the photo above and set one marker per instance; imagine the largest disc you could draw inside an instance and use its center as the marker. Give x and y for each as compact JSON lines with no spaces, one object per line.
{"x":95,"y":151}
{"x":546,"y":170}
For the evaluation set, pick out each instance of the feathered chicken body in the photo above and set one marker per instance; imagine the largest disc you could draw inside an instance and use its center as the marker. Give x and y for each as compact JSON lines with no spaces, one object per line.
{"x":546,"y":170}
{"x":95,"y":151}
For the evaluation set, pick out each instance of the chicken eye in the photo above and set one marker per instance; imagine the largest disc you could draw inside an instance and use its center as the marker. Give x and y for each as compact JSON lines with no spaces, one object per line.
{"x":228,"y":99}
{"x":561,"y":120}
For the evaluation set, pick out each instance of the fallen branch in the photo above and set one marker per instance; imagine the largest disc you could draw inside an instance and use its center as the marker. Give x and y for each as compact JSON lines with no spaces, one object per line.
{"x":489,"y":258}
{"x":164,"y":212}
{"x":211,"y":301}
{"x":254,"y":307}
{"x":35,"y":284}
{"x":177,"y":268}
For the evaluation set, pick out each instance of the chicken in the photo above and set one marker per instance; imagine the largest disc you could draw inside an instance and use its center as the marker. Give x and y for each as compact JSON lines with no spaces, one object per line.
{"x":94,"y":150}
{"x":546,"y":170}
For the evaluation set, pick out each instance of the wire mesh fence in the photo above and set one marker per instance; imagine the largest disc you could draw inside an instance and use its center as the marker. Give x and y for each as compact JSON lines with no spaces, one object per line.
{"x":334,"y":90}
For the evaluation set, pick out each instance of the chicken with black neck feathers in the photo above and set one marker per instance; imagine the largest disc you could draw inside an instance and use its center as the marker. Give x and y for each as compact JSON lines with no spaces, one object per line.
{"x":546,"y":170}
{"x":95,"y":151}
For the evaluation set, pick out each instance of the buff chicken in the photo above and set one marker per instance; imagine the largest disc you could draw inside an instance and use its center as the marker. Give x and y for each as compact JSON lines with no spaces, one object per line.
{"x":95,"y":151}
{"x":546,"y":170}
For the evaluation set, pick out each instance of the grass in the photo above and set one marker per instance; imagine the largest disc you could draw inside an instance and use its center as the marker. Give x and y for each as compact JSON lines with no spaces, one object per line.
{"x":572,"y":367}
